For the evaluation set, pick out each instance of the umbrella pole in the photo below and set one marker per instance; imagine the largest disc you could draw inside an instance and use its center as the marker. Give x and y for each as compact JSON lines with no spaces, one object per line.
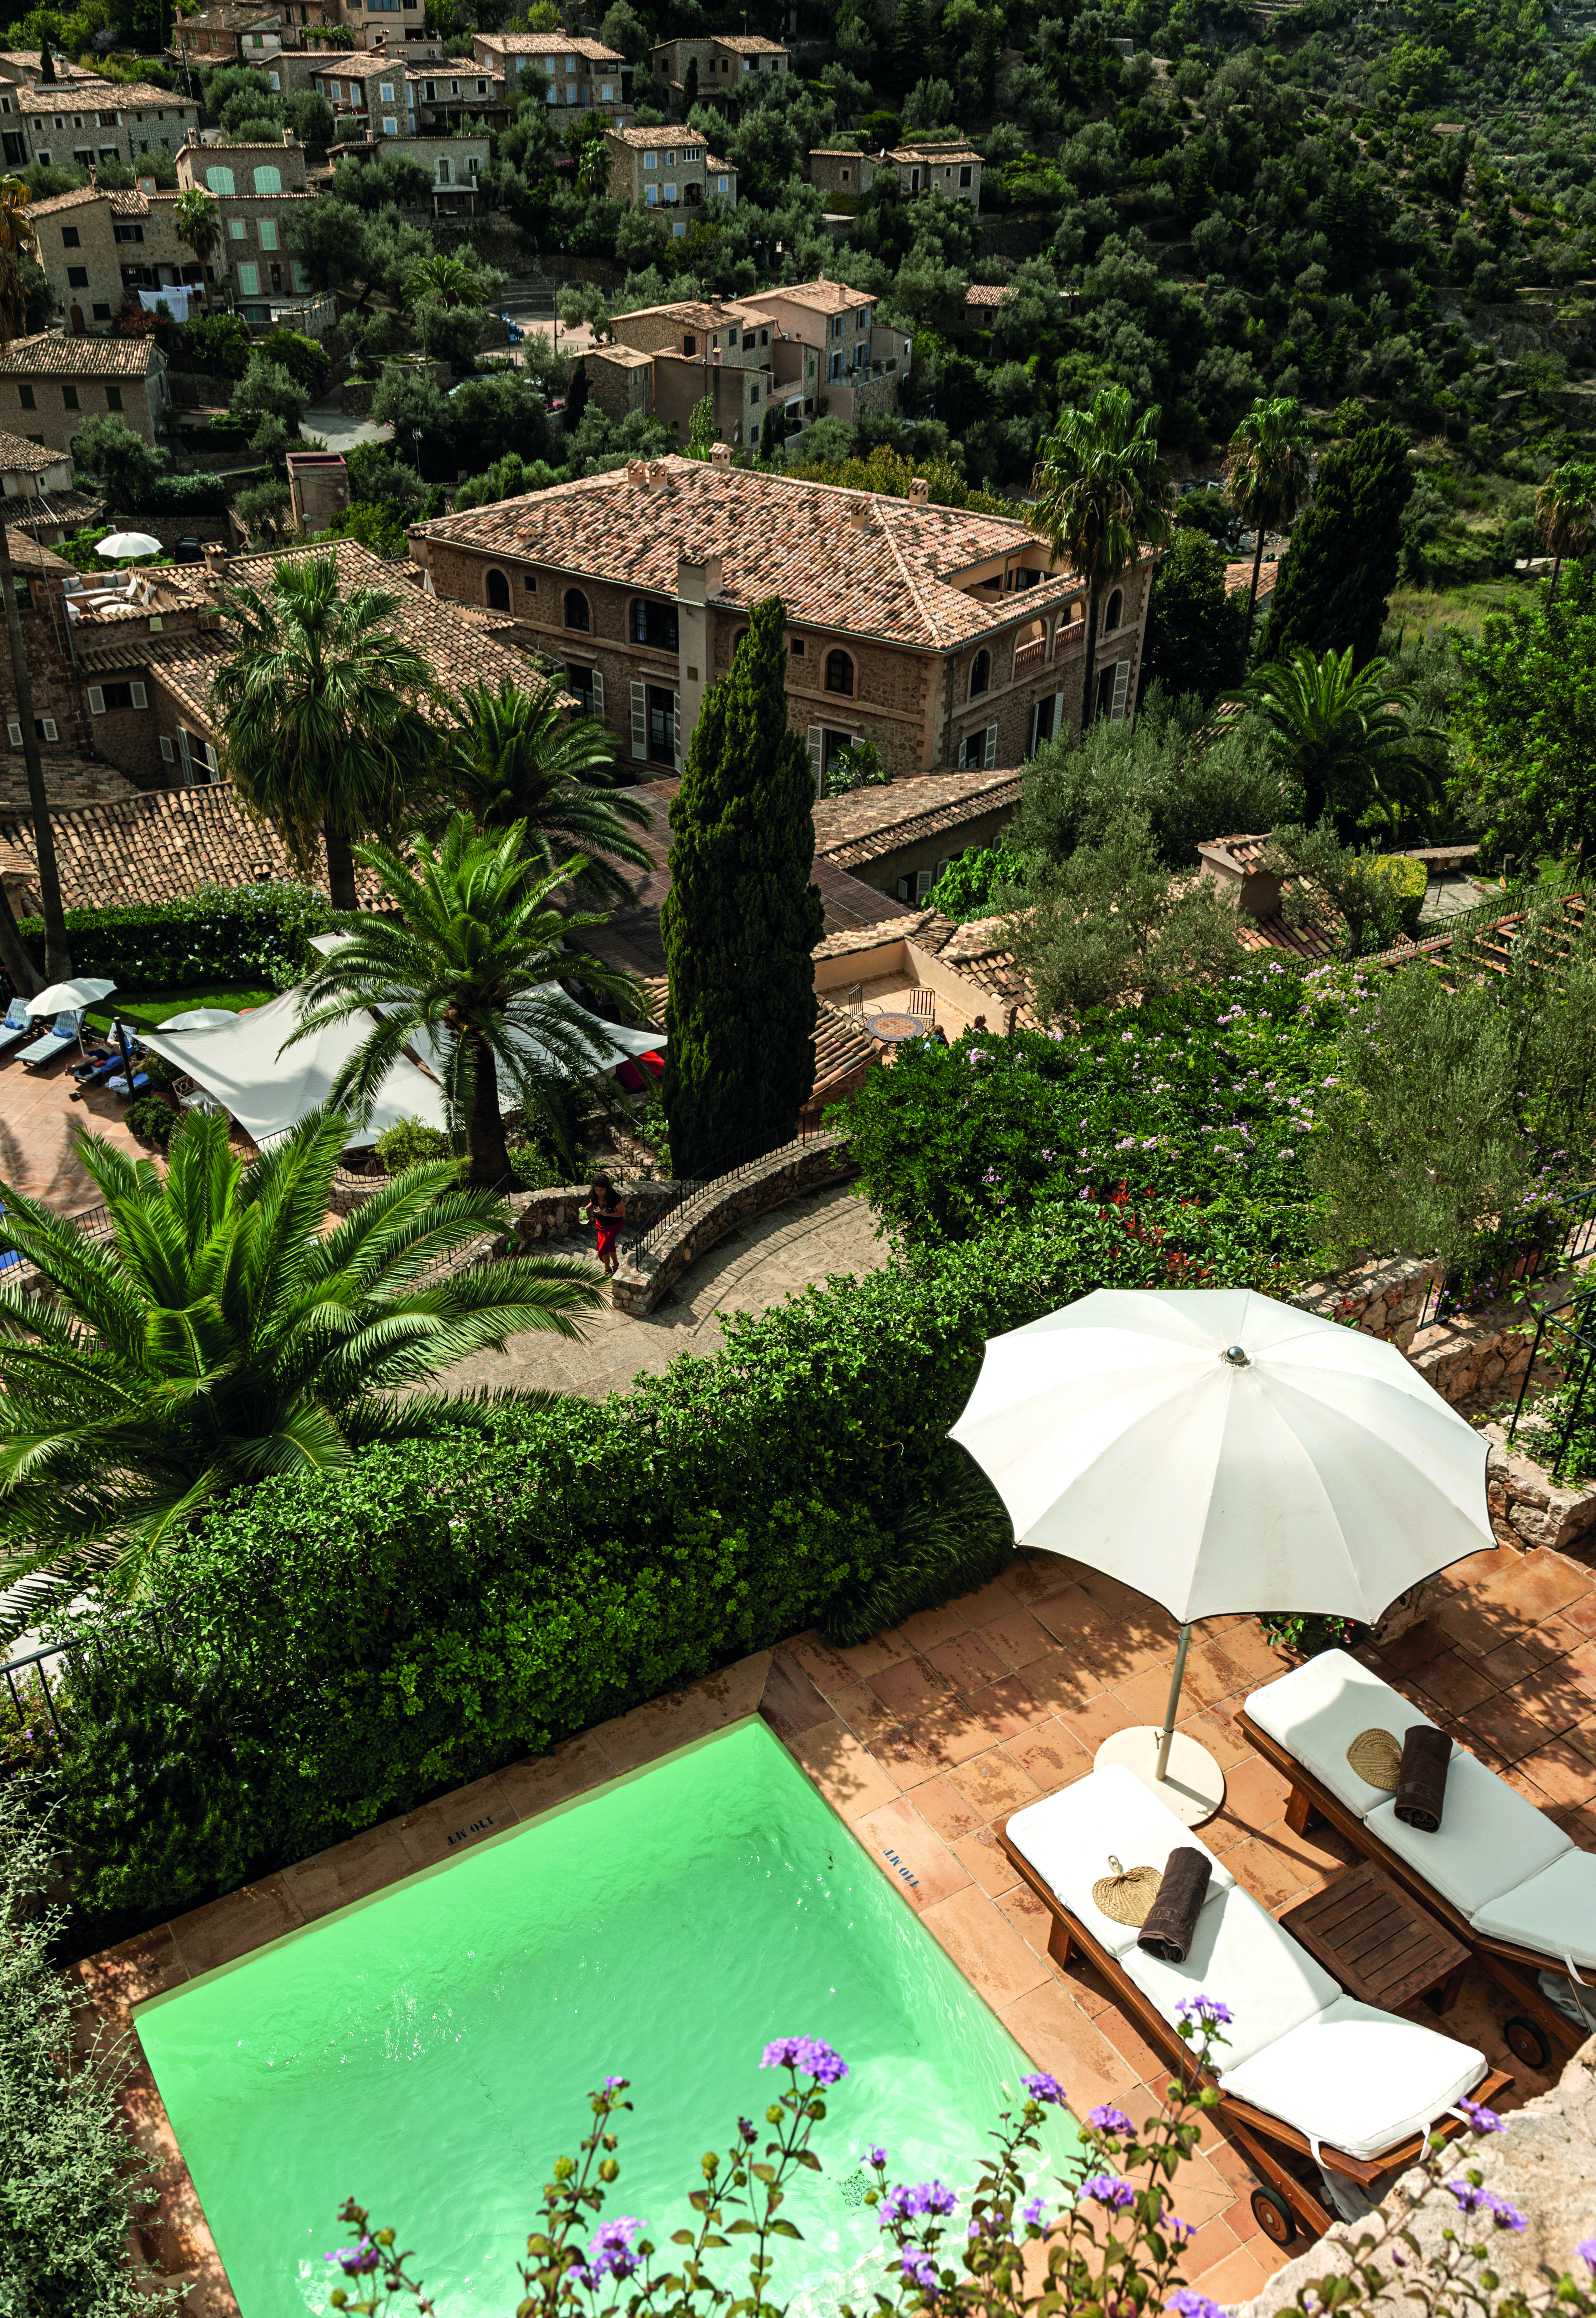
{"x":1166,"y":1736}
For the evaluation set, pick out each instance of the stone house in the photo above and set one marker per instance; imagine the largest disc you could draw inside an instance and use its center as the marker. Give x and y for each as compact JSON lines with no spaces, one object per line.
{"x":49,"y":383}
{"x":729,"y":64}
{"x":899,"y":839}
{"x":859,"y":360}
{"x":80,"y":254}
{"x":668,"y":170}
{"x":939,"y":636}
{"x":383,"y":95}
{"x":949,"y":167}
{"x":317,"y":489}
{"x":577,"y":75}
{"x":78,"y":123}
{"x":668,"y":359}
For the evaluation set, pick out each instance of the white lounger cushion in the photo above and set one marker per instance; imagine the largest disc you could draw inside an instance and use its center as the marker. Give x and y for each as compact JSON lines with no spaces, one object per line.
{"x":1489,"y":1838}
{"x":1067,"y":1837}
{"x":1317,"y":1709}
{"x":1555,"y":1912}
{"x":1241,"y":1956}
{"x":1358,"y":2079}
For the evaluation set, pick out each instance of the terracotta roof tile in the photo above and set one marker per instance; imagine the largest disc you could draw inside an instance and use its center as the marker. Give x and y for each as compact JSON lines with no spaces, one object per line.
{"x":823,"y":297}
{"x":71,"y":509}
{"x":857,"y":562}
{"x":78,"y":198}
{"x":51,"y":353}
{"x":956,"y":149}
{"x":17,"y":456}
{"x":549,"y":44}
{"x":102,"y":95}
{"x":748,"y":44}
{"x":989,"y":294}
{"x":870,"y":822}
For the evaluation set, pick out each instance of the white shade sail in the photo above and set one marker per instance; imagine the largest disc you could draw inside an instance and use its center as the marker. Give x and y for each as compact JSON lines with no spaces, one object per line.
{"x":70,"y":997}
{"x":1319,"y":1473}
{"x":200,"y":1018}
{"x":268,"y":1093}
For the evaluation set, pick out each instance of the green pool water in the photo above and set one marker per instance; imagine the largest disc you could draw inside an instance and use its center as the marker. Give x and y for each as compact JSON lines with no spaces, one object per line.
{"x":428,"y":2051}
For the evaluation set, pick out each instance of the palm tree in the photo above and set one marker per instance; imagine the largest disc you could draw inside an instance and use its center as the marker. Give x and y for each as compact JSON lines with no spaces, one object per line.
{"x":1102,"y":494}
{"x":1267,"y":474}
{"x":18,"y":242}
{"x":1564,"y":512}
{"x":322,"y":727}
{"x":220,"y":1336}
{"x":448,"y":280}
{"x":514,"y":757}
{"x":466,"y":967}
{"x":1348,"y":738}
{"x":196,"y":218}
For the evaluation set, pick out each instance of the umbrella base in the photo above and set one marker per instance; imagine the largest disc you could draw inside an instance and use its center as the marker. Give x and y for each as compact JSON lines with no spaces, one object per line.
{"x":1194,"y":1786}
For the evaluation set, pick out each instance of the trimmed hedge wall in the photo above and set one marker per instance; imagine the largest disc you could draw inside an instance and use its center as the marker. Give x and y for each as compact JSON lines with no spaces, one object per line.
{"x":338,"y":1648}
{"x":221,"y":933}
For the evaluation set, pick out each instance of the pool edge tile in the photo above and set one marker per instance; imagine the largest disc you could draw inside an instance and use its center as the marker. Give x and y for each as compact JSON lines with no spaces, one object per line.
{"x":354,"y":1869}
{"x":228,"y":1928}
{"x":445,"y":1829}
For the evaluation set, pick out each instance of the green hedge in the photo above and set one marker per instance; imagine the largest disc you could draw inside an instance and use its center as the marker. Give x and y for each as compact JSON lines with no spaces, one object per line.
{"x":341,"y":1647}
{"x":249,"y":934}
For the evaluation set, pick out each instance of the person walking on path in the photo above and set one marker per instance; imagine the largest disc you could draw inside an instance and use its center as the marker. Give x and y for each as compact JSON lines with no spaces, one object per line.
{"x":608,"y":1211}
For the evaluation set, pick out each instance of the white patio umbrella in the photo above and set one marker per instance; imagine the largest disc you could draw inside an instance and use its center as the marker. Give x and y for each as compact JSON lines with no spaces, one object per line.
{"x":1223,"y":1453}
{"x":200,"y":1018}
{"x":70,"y":997}
{"x":117,"y":545}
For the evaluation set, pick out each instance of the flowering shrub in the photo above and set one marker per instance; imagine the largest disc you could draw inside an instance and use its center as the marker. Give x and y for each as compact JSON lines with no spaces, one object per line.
{"x":1210,"y":1097}
{"x":1112,"y":2242}
{"x":247,"y":934}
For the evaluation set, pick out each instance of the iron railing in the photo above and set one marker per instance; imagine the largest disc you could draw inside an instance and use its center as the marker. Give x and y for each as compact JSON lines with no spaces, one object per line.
{"x":1564,"y":1347}
{"x":704,"y":1189}
{"x":1513,"y":1263}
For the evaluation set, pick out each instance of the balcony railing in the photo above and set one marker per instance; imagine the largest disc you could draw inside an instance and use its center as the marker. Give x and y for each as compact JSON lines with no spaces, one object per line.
{"x":1029,"y":654}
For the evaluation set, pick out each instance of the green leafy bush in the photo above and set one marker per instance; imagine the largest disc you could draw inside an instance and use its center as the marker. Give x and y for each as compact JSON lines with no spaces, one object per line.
{"x":1207,"y":1097}
{"x":1407,"y":880}
{"x":336,"y":1646}
{"x":151,"y":1120}
{"x":967,"y":888}
{"x":411,"y":1143}
{"x":236,"y":934}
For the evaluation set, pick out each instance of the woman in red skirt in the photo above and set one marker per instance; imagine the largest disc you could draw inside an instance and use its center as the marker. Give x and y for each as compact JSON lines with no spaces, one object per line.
{"x":609,"y":1213}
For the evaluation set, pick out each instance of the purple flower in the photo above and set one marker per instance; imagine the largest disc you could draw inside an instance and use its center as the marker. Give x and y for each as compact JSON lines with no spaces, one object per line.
{"x":1586,"y":2251}
{"x":357,"y":2260}
{"x":808,"y":2055}
{"x":1189,"y":2304}
{"x":747,"y":2129}
{"x":1109,"y":2120}
{"x":1043,"y":2087}
{"x":1473,"y":2201}
{"x":920,"y":2270}
{"x":876,"y":2157}
{"x":609,"y":2249}
{"x":1483,"y":2120}
{"x":1108,"y":2190}
{"x":1181,"y":2232}
{"x":1031,"y":2212}
{"x":904,"y":2203}
{"x":617,"y":2084}
{"x":1206,"y":2010}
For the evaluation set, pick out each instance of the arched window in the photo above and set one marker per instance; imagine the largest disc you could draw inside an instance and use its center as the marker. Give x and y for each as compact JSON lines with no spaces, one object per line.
{"x":981,"y":674}
{"x":498,"y":591}
{"x":1111,"y":617}
{"x":738,"y":642}
{"x":219,"y":181}
{"x":576,"y":609}
{"x":840,"y":673}
{"x":268,"y":180}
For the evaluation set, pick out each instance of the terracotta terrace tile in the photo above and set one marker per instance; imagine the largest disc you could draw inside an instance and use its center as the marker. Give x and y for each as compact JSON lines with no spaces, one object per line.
{"x":912,"y":1687}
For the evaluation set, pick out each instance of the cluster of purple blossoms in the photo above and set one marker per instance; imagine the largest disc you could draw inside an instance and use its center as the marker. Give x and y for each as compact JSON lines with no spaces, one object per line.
{"x":1207,"y":2011}
{"x":1586,"y":2251}
{"x":1189,"y":2304}
{"x":876,"y":2157}
{"x":1109,"y":2120}
{"x":357,"y":2260}
{"x":1043,"y":2087}
{"x":1482,"y":2120}
{"x":904,"y":2203}
{"x":808,"y":2055}
{"x":1032,"y":2210}
{"x":610,"y":2251}
{"x":1487,"y":2201}
{"x":920,"y":2270}
{"x":1108,"y":2190}
{"x":748,"y":2130}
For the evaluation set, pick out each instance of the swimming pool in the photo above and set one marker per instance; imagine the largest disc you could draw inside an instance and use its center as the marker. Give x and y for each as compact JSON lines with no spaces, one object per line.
{"x":428,"y":2051}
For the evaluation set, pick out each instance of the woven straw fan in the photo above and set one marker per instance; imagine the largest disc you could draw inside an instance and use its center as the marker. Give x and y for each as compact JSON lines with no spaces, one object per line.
{"x":1125,"y":1896}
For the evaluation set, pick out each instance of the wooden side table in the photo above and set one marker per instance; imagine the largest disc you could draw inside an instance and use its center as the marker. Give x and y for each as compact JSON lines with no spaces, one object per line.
{"x":1380,"y":1944}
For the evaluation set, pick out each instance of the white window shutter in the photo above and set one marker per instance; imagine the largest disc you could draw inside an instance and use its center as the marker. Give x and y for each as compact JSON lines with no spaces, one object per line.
{"x":140,"y":697}
{"x":168,"y":751}
{"x":815,"y":737}
{"x":990,"y":754}
{"x":96,"y":704}
{"x":48,"y":723}
{"x":597,"y":694}
{"x":676,"y":727}
{"x":639,"y":721}
{"x":13,"y":733}
{"x":1122,"y":685}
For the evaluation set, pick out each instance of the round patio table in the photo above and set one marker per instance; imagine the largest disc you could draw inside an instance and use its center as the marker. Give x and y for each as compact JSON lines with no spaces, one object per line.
{"x":892,"y":1028}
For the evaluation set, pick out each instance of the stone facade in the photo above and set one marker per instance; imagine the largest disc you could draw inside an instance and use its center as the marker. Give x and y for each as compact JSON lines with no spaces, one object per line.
{"x":79,"y":122}
{"x":575,"y":74}
{"x":668,"y":172}
{"x":51,"y":383}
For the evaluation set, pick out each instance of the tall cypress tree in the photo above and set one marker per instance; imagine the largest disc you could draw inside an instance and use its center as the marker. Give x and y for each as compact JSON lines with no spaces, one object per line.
{"x":741,"y":918}
{"x":1345,"y":550}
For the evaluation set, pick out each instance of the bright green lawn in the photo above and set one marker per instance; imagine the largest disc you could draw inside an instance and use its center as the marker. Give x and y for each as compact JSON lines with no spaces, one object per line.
{"x":1415,"y":609}
{"x":148,"y":1009}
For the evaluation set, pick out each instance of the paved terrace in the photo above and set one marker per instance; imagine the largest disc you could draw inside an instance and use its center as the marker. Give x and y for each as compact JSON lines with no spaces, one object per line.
{"x":926,"y":1738}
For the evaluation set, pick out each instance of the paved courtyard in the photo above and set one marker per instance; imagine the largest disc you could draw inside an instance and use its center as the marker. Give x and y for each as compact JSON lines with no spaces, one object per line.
{"x":763,"y":1261}
{"x":37,"y":1116}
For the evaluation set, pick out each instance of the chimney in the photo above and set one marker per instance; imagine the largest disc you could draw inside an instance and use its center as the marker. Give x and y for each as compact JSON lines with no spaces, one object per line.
{"x":215,"y":554}
{"x":637,"y":472}
{"x":655,"y":474}
{"x":919,"y":490}
{"x":860,"y":510}
{"x":719,"y":455}
{"x":715,"y":354}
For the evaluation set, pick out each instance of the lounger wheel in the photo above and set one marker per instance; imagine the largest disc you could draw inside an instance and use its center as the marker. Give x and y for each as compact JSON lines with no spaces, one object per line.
{"x":1273,"y":2216}
{"x":1525,"y":2041}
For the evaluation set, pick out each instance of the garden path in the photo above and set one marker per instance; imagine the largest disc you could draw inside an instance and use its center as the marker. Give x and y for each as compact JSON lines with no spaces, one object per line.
{"x":767,"y":1258}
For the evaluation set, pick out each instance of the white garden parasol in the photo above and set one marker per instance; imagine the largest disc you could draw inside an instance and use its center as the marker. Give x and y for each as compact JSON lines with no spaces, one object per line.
{"x":1223,"y":1453}
{"x":120,"y":545}
{"x":71,"y":997}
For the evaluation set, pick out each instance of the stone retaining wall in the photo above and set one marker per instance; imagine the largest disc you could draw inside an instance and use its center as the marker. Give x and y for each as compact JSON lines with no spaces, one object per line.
{"x":640,"y":1285}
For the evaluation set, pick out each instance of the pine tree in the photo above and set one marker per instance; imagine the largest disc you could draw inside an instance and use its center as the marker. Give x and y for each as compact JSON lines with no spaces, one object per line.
{"x":910,"y":42}
{"x":741,"y":918}
{"x":1344,"y":551}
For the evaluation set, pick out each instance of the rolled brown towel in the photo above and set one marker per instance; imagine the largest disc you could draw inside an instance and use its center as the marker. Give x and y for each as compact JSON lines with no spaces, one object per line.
{"x":1171,"y":1920}
{"x":1422,"y":1777}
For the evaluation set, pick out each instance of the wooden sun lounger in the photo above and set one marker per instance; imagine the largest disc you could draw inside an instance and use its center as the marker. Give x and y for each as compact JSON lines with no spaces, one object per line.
{"x":1276,"y":2150}
{"x":1514,"y":1968}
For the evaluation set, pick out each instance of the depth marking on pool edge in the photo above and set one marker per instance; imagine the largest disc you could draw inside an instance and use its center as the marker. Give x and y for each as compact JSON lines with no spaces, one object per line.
{"x":465,"y":1834}
{"x":892,"y":1855}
